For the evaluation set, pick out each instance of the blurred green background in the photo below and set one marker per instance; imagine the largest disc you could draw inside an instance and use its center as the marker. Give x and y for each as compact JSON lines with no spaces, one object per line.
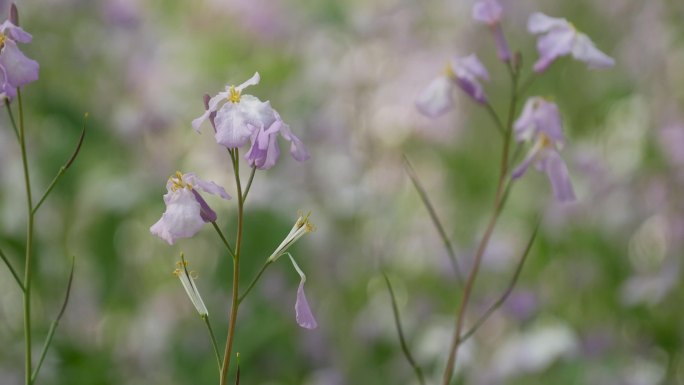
{"x":599,"y":301}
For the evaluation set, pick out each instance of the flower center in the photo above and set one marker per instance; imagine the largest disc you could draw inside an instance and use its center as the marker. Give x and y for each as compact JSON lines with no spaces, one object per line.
{"x":177,"y":182}
{"x":234,"y":95}
{"x":545,"y":141}
{"x":449,"y":72}
{"x":2,"y":40}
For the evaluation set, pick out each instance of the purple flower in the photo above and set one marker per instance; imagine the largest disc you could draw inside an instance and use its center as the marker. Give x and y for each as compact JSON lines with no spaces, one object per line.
{"x":559,"y":38}
{"x":264,"y":151}
{"x":16,"y":69}
{"x":239,"y":116}
{"x":303,"y":313}
{"x":465,"y":72}
{"x":490,"y":13}
{"x":186,"y":210}
{"x":540,"y":123}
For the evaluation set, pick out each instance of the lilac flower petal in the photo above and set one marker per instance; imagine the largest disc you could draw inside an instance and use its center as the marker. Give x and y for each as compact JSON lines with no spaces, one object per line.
{"x":487,"y":11}
{"x":548,"y":121}
{"x":472,"y":65}
{"x":502,"y":50}
{"x":435,"y":100}
{"x":584,"y":50}
{"x":557,"y":172}
{"x":15,"y":33}
{"x":473,"y":88}
{"x":264,"y":151}
{"x":303,"y":313}
{"x":19,"y":69}
{"x":232,"y":129}
{"x":212,"y":115}
{"x":525,"y":164}
{"x":556,"y":43}
{"x":182,"y":218}
{"x":540,"y":23}
{"x":212,"y":106}
{"x":524,"y":126}
{"x":297,"y":148}
{"x":254,"y":80}
{"x":207,"y":214}
{"x":206,"y":186}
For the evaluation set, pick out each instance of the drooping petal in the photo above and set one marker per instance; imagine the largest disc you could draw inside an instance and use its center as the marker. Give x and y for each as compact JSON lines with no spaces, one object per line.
{"x":206,"y":186}
{"x":487,"y":11}
{"x":558,"y":42}
{"x":207,"y":214}
{"x":297,"y":148}
{"x":525,"y":125}
{"x":471,"y":64}
{"x":212,"y":115}
{"x":303,"y":313}
{"x":467,"y":70}
{"x":182,"y":218}
{"x":502,"y":50}
{"x":435,"y":100}
{"x":548,"y":121}
{"x":254,"y":80}
{"x":557,"y":172}
{"x":264,"y":151}
{"x":211,"y":108}
{"x":540,"y":23}
{"x":16,"y":33}
{"x":532,"y":155}
{"x":19,"y":69}
{"x":584,"y":50}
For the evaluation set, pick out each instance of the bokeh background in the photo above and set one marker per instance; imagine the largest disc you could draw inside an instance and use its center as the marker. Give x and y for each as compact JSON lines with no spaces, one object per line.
{"x":599,"y":300}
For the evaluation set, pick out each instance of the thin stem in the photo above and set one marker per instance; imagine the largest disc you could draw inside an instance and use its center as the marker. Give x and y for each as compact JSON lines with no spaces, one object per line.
{"x":223,"y":238}
{"x":509,"y":288}
{"x":402,"y":340}
{"x":498,"y":206}
{"x":495,"y":117}
{"x":213,"y":340}
{"x":254,"y":281}
{"x":55,"y":323}
{"x":29,"y":243}
{"x":249,"y":183}
{"x":11,"y":116}
{"x":236,"y":272}
{"x":11,"y":269}
{"x":63,"y":169}
{"x":435,"y":219}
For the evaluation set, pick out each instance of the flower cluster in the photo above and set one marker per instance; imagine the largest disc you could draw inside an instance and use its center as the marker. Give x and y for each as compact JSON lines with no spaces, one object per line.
{"x":540,"y":122}
{"x":242,"y":118}
{"x":16,"y":69}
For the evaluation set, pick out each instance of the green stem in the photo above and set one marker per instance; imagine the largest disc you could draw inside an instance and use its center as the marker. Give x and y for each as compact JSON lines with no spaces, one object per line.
{"x":435,"y":219}
{"x":213,"y":340}
{"x":254,"y":281}
{"x":236,"y":272}
{"x":29,"y":243}
{"x":495,"y":117}
{"x":509,"y":288}
{"x":11,"y":269}
{"x":402,"y":340}
{"x":498,"y":206}
{"x":11,"y":116}
{"x":249,"y":183}
{"x":223,"y":238}
{"x":53,"y":326}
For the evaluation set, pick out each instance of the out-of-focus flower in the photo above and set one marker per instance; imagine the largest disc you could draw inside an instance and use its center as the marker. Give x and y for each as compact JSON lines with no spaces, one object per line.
{"x":239,"y":116}
{"x":559,"y":38}
{"x":490,"y":13}
{"x":186,"y":210}
{"x":301,"y":227}
{"x":16,"y":69}
{"x":187,"y":279}
{"x":540,"y":123}
{"x":465,"y":72}
{"x":264,"y":151}
{"x":303,"y":313}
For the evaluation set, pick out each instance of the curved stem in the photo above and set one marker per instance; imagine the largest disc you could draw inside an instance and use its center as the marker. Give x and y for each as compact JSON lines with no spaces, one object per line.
{"x":213,"y":340}
{"x":236,"y":273}
{"x":11,"y":269}
{"x":223,"y":238}
{"x":499,"y":202}
{"x":254,"y":281}
{"x":29,"y":243}
{"x":495,"y":116}
{"x":11,"y":116}
{"x":249,"y":183}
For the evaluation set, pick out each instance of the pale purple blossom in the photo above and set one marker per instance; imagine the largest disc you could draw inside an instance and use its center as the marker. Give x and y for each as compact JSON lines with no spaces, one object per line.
{"x":186,"y":210}
{"x":540,"y":123}
{"x":464,"y":72}
{"x":303,"y":314}
{"x":265,"y":151}
{"x":239,"y":116}
{"x":559,"y":38}
{"x":490,"y":12}
{"x":16,"y":69}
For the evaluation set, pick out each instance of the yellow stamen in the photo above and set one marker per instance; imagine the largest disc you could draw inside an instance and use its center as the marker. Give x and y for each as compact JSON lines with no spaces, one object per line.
{"x":449,"y":72}
{"x":234,"y":95}
{"x":2,"y":40}
{"x":177,"y":182}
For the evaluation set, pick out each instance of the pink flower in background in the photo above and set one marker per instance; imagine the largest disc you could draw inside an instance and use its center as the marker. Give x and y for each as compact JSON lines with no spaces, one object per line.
{"x":540,"y":123}
{"x":239,"y":116}
{"x":465,"y":72}
{"x":16,"y":69}
{"x":559,"y":38}
{"x":490,"y":13}
{"x":186,"y":210}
